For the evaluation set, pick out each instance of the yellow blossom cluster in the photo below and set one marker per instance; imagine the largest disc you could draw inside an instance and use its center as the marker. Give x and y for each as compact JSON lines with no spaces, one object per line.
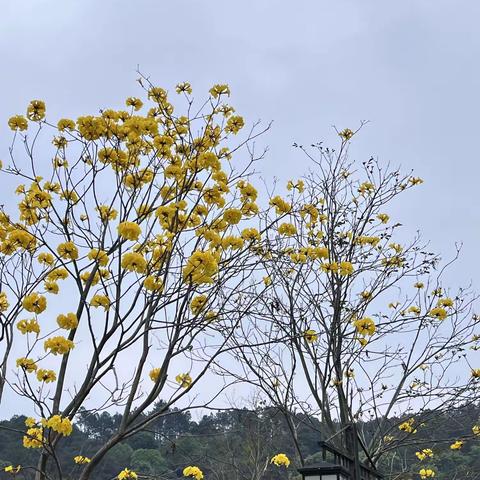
{"x":280,"y":459}
{"x":426,"y":473}
{"x":201,"y":267}
{"x":184,"y":380}
{"x":67,"y":250}
{"x":13,"y":470}
{"x":99,"y":300}
{"x":35,"y":303}
{"x":3,"y":302}
{"x":457,"y":445}
{"x":27,"y":364}
{"x":81,"y":460}
{"x":129,"y":230}
{"x":287,"y":229}
{"x":33,"y":437}
{"x":198,"y":304}
{"x":365,"y":326}
{"x":423,"y":454}
{"x":342,"y":268}
{"x":68,"y":321}
{"x":46,"y":376}
{"x":58,"y":345}
{"x":310,"y":336}
{"x":192,"y":471}
{"x":58,"y":424}
{"x":127,"y":474}
{"x":154,"y":374}
{"x":408,"y":426}
{"x":28,"y":326}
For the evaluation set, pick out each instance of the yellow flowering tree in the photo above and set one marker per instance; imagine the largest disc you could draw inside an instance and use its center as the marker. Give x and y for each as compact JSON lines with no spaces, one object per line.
{"x":356,"y":323}
{"x":123,"y":261}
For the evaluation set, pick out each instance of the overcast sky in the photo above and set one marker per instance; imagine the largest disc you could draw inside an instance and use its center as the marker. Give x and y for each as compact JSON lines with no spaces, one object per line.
{"x":411,"y":67}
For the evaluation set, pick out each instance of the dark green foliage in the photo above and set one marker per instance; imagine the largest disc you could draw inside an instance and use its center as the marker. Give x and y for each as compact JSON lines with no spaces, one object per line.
{"x":236,"y":445}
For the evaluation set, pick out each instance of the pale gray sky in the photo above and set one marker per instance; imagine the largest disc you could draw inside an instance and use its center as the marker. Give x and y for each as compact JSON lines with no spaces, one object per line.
{"x":409,"y":66}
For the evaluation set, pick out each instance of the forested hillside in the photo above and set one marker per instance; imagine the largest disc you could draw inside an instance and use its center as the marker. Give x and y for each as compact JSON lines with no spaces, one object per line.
{"x":238,"y":444}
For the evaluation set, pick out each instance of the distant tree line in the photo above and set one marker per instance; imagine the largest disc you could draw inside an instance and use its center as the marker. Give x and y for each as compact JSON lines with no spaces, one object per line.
{"x":236,"y":444}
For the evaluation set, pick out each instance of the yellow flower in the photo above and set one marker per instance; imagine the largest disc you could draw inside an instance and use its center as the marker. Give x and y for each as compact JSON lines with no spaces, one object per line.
{"x":194,"y":472}
{"x":36,"y":110}
{"x":200,"y":267}
{"x":46,"y":258}
{"x":476,"y":430}
{"x":68,"y":250}
{"x":86,"y":276}
{"x":362,"y":341}
{"x":58,"y":345}
{"x":415,"y":180}
{"x":423,"y":454}
{"x":99,"y":255}
{"x":300,"y":185}
{"x":154,"y":284}
{"x":280,"y":459}
{"x":219,"y":89}
{"x":81,"y":460}
{"x":457,"y":445}
{"x":30,"y":422}
{"x":154,"y":374}
{"x":57,"y":274}
{"x":232,"y":216}
{"x":34,"y":303}
{"x":281,"y":206}
{"x":475,"y":373}
{"x":365,"y":326}
{"x":366,"y":187}
{"x":383,"y":217}
{"x":366,"y":295}
{"x":198,"y":304}
{"x":267,"y":281}
{"x":250,"y":234}
{"x":11,"y":469}
{"x":445,"y":302}
{"x":287,"y":229}
{"x":184,"y":87}
{"x":234,"y":124}
{"x":46,"y":376}
{"x":136,"y":103}
{"x":68,"y":321}
{"x":33,"y":438}
{"x":345,"y":268}
{"x":3,"y":302}
{"x":346,"y":134}
{"x":28,"y":326}
{"x":426,"y":473}
{"x":106,"y":213}
{"x":60,"y":425}
{"x":419,"y":285}
{"x":100,"y":301}
{"x":18,"y":122}
{"x":407,"y":426}
{"x":310,"y":336}
{"x":438,"y":313}
{"x":22,"y":239}
{"x":184,"y":379}
{"x":28,"y":364}
{"x":134,"y":262}
{"x":126,"y":473}
{"x":65,"y":124}
{"x":129,"y":230}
